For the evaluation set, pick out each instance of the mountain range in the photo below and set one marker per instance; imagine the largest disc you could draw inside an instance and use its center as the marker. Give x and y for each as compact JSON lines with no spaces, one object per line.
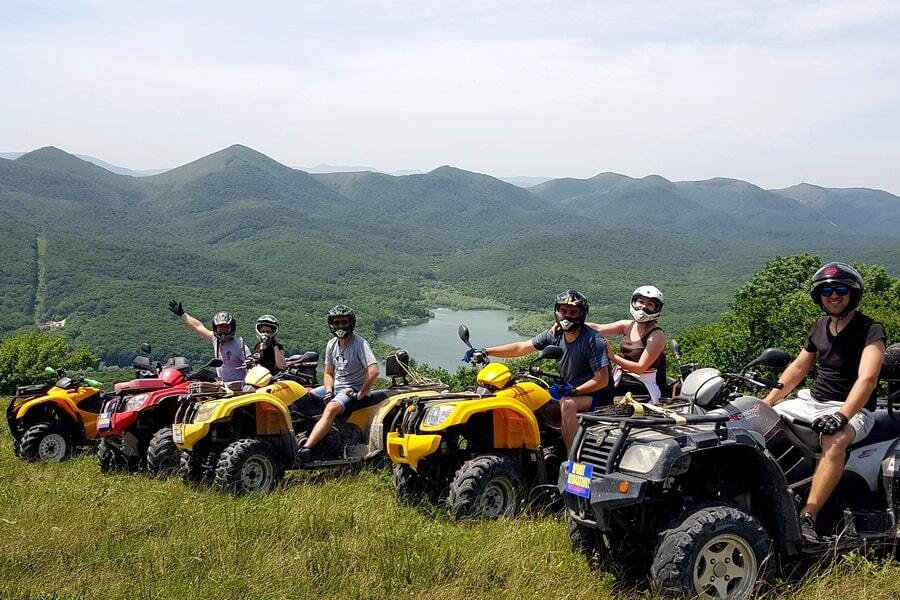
{"x":238,"y":229}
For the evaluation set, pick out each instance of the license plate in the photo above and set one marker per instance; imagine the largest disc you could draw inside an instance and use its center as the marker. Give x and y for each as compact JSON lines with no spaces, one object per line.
{"x":177,"y":436}
{"x":103,"y":423}
{"x":578,"y":479}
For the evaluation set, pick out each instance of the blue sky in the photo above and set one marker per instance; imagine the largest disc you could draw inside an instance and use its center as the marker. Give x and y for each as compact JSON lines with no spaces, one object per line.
{"x":772,"y":92}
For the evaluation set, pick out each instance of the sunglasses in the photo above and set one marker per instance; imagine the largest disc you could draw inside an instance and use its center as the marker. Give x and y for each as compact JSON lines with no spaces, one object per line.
{"x":840,"y":290}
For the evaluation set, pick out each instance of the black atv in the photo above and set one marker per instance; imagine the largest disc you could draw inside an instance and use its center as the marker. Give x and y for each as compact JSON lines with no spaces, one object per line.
{"x":704,"y":500}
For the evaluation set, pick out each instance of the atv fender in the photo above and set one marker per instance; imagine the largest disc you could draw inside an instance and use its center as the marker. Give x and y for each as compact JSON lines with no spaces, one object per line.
{"x":272,"y":417}
{"x":410,"y":449}
{"x":514,"y":425}
{"x":52,"y":401}
{"x":771,"y":500}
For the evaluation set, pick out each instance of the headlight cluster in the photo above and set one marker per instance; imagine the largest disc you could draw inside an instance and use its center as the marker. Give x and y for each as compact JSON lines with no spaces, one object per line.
{"x":640,"y":458}
{"x":436,"y":415}
{"x":135,"y":402}
{"x":206,"y":410}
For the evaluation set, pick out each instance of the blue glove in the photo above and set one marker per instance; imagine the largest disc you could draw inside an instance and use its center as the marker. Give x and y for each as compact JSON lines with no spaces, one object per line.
{"x":559,"y":390}
{"x":473,"y":355}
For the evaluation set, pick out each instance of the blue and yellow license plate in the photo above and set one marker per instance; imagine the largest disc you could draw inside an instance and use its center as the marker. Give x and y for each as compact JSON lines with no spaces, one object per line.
{"x":103,"y":422}
{"x":578,"y":479}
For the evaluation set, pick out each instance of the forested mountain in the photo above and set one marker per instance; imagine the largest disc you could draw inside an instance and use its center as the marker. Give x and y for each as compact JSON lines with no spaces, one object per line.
{"x":237,"y":230}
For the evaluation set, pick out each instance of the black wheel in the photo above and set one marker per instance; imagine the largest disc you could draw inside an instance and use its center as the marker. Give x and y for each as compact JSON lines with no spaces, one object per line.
{"x":248,"y":465}
{"x":46,"y":441}
{"x":488,"y":486}
{"x":162,"y":454}
{"x":196,"y":470}
{"x":411,"y":487}
{"x":111,"y":459}
{"x":711,"y":551}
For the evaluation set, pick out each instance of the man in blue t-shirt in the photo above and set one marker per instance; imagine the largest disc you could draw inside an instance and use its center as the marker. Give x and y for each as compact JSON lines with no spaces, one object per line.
{"x":584,"y":364}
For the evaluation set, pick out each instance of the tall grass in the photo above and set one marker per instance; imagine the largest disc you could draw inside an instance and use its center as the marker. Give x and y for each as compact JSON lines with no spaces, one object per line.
{"x":66,"y":531}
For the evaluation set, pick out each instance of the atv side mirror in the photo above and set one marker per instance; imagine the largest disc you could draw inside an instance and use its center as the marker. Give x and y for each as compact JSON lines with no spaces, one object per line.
{"x":215,"y":363}
{"x":772,"y":357}
{"x":464,"y":335}
{"x":554,"y":352}
{"x":145,"y":348}
{"x":676,"y":349}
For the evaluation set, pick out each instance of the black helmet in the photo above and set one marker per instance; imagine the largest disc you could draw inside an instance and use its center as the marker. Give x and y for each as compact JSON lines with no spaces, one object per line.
{"x":341,"y":311}
{"x":224,"y":318}
{"x":271,"y":322}
{"x":890,"y":368}
{"x":570,"y":298}
{"x":840,"y":274}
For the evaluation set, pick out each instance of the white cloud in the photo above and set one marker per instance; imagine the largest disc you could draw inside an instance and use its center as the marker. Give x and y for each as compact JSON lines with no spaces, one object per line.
{"x":698,"y":90}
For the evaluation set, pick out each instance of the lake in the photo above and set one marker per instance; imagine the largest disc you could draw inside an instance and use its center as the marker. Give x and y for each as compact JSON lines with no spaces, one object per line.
{"x":437,"y":343}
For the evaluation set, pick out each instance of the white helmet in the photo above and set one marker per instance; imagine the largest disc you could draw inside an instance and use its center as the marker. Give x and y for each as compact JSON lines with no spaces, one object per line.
{"x":646,"y":291}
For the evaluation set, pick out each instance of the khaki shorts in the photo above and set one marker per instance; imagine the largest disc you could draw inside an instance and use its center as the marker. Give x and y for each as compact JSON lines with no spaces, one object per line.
{"x":804,"y":406}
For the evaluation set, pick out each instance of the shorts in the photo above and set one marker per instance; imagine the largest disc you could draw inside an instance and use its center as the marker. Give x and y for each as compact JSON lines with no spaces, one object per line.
{"x":347,"y":404}
{"x":602,"y":397}
{"x":804,"y":406}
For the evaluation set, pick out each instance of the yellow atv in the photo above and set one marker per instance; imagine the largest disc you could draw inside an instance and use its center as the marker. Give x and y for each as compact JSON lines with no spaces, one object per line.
{"x":484,"y":452}
{"x":47,"y":422}
{"x":244,"y":442}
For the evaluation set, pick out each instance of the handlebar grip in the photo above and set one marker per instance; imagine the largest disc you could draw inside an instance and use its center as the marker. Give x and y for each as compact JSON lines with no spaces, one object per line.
{"x":769,"y":383}
{"x":802,"y":423}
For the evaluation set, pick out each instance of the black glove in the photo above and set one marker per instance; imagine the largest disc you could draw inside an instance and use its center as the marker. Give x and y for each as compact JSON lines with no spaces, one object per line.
{"x":352,"y":395}
{"x":175,"y":307}
{"x":829,"y":424}
{"x":329,"y":395}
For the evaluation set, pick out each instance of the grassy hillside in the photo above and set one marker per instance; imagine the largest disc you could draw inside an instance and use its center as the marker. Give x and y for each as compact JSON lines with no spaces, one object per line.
{"x":68,"y":532}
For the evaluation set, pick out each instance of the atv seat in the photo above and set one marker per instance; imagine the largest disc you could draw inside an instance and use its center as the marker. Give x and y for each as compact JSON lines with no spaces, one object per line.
{"x":549,"y":416}
{"x":140,"y":385}
{"x":179,"y":362}
{"x":32,"y":390}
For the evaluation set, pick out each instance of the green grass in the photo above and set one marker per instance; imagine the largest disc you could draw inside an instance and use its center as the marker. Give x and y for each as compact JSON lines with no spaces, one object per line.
{"x":66,"y":531}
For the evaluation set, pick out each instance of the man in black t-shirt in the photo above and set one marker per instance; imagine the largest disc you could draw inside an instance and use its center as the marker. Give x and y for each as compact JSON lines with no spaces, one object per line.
{"x":848,"y":348}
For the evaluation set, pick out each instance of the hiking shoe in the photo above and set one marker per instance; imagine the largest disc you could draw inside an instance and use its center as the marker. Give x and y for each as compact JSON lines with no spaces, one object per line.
{"x":304,"y":454}
{"x":808,"y":528}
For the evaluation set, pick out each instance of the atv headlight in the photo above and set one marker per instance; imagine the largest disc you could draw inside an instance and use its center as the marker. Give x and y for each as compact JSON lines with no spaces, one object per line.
{"x":206,"y":410}
{"x":436,"y":415}
{"x":135,"y":402}
{"x":640,"y":458}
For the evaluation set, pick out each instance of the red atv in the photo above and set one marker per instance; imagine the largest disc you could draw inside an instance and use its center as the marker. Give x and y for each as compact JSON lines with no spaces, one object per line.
{"x":135,"y":422}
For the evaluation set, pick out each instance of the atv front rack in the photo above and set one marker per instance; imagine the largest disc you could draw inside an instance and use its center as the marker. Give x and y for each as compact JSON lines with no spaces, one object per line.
{"x":609,"y":442}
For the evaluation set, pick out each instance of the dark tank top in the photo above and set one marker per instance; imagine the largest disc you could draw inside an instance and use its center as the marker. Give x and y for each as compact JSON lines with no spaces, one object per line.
{"x":632,"y":350}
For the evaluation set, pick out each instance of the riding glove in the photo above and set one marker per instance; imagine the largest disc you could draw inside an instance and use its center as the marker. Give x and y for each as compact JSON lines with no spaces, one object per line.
{"x":829,"y":424}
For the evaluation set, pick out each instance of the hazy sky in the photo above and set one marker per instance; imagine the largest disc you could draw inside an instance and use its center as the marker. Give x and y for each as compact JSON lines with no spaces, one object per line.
{"x":771,"y":92}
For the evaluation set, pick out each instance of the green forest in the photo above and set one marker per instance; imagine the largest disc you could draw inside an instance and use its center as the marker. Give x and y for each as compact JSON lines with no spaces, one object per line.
{"x":238,"y":231}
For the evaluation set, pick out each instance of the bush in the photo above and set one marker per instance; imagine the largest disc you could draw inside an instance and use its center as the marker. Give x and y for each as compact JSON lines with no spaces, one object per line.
{"x":24,"y":357}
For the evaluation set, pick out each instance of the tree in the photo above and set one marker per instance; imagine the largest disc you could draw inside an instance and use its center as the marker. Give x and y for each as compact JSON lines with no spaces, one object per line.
{"x":24,"y":357}
{"x":774,"y":309}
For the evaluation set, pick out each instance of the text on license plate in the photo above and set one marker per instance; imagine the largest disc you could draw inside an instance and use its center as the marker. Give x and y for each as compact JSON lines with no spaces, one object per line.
{"x":578,"y":479}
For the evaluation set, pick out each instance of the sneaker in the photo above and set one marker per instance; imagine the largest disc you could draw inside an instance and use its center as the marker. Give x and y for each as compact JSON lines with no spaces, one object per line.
{"x":808,"y":528}
{"x":304,"y":454}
